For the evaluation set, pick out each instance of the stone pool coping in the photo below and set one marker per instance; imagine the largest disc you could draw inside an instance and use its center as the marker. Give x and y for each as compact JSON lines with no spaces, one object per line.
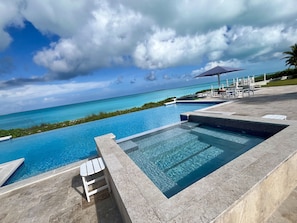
{"x":233,"y":193}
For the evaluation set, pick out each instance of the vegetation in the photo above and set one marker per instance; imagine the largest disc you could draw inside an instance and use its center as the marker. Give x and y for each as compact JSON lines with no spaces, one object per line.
{"x":202,"y":91}
{"x":291,"y":56}
{"x":282,"y":82}
{"x":51,"y":126}
{"x":290,"y":73}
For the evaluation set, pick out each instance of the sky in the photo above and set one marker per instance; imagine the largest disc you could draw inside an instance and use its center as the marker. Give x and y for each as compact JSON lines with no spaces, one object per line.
{"x":62,"y":52}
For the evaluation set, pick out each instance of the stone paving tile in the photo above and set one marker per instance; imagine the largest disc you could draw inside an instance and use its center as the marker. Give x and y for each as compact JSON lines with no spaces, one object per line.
{"x":57,"y":199}
{"x":272,"y":100}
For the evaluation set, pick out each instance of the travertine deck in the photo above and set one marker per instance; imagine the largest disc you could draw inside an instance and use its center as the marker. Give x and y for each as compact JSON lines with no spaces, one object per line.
{"x":273,"y":100}
{"x":57,"y":197}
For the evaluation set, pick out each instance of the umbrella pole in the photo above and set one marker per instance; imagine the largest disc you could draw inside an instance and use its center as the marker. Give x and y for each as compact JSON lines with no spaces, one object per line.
{"x":219,"y":81}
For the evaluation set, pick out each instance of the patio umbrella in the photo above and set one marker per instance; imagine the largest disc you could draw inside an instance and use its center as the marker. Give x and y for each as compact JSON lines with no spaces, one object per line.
{"x":218,"y":70}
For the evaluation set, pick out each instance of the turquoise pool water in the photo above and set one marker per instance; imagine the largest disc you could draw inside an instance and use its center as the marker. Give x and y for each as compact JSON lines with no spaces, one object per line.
{"x":50,"y":150}
{"x":176,"y":157}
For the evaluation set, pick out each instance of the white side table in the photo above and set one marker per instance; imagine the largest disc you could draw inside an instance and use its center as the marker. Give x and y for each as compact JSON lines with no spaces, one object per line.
{"x":88,"y":169}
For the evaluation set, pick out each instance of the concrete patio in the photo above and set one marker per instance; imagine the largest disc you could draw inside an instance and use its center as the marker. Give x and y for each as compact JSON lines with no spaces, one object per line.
{"x":57,"y":196}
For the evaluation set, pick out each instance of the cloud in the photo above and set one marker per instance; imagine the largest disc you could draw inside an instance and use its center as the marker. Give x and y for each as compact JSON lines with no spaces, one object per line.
{"x":16,"y":82}
{"x":194,"y":17}
{"x":133,"y":81}
{"x":166,"y":77}
{"x":164,"y":48}
{"x":151,"y":34}
{"x":46,"y":90}
{"x":249,"y":43}
{"x":151,"y":76}
{"x":119,"y":80}
{"x":10,"y":16}
{"x":187,"y":77}
{"x":127,"y":32}
{"x":5,"y":40}
{"x":63,"y":18}
{"x":107,"y":39}
{"x":189,"y":17}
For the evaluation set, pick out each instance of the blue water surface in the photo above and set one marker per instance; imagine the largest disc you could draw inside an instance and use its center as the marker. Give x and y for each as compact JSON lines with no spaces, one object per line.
{"x":50,"y":150}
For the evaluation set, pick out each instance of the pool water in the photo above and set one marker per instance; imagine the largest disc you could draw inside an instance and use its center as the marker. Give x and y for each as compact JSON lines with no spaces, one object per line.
{"x":176,"y":157}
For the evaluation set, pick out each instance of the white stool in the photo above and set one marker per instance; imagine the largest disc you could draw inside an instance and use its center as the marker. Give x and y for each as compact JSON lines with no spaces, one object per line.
{"x":89,"y":168}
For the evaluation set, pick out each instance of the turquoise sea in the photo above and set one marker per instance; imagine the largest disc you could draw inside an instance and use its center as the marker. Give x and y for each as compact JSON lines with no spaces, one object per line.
{"x":75,"y":111}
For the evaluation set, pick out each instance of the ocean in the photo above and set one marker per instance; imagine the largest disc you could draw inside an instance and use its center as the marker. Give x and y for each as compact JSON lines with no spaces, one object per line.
{"x":80,"y":110}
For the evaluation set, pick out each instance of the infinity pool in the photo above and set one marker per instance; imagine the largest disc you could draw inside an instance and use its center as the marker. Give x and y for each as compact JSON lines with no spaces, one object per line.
{"x":178,"y":156}
{"x":50,"y":150}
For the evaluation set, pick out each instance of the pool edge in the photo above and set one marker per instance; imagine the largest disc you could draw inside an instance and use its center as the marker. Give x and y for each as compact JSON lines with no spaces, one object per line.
{"x":138,"y":198}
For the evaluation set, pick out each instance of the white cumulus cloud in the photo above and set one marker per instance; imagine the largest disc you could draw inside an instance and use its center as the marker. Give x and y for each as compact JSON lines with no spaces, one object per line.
{"x":9,"y":16}
{"x":106,"y":40}
{"x":64,"y":18}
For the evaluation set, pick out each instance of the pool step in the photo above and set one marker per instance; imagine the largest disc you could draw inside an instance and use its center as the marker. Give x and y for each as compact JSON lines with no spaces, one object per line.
{"x":155,"y":150}
{"x":189,"y":125}
{"x":159,"y":178}
{"x":179,"y":154}
{"x":183,"y":169}
{"x":220,"y":138}
{"x":152,"y":140}
{"x":128,"y":146}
